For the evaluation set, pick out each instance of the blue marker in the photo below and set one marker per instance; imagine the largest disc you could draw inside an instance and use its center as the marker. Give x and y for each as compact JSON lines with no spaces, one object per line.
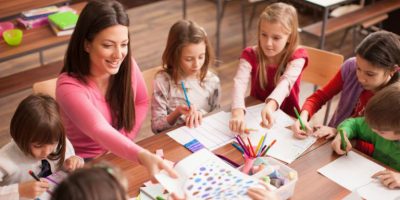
{"x":184,"y":92}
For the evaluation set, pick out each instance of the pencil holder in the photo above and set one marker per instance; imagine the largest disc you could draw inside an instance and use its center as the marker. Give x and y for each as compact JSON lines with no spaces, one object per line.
{"x":248,"y":164}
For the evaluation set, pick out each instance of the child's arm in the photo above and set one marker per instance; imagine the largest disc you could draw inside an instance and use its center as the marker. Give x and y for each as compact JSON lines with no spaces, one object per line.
{"x":241,"y":80}
{"x":282,"y":90}
{"x":388,"y":178}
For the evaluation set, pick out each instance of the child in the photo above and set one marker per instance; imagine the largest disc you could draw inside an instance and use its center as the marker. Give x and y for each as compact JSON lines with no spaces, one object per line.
{"x":375,"y":66}
{"x":100,"y":182}
{"x":381,"y":127}
{"x":38,"y":145}
{"x":186,"y":58}
{"x":274,"y":65}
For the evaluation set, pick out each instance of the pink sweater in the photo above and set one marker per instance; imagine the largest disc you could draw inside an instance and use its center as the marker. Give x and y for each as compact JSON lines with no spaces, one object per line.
{"x":87,"y":117}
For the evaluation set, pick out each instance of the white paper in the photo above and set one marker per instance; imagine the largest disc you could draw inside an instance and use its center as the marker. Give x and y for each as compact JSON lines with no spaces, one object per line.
{"x":212,"y":134}
{"x":354,"y":172}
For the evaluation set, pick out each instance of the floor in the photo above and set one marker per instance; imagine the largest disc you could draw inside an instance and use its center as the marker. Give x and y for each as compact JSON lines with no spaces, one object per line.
{"x":149,"y":28}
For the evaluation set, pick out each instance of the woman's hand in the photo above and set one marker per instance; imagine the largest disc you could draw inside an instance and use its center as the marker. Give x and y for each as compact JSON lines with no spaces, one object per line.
{"x":336,"y":144}
{"x":388,"y":178}
{"x":237,"y":123}
{"x":324,"y":131}
{"x":154,"y":164}
{"x":32,"y":189}
{"x":193,"y":117}
{"x":72,"y":163}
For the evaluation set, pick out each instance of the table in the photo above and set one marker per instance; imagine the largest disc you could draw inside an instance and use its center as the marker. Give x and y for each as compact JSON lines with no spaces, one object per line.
{"x":310,"y":185}
{"x":326,"y":5}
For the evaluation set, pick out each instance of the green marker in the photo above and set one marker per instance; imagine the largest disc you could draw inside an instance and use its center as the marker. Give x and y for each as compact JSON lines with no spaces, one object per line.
{"x":343,"y":144}
{"x":301,"y":121}
{"x":159,"y":198}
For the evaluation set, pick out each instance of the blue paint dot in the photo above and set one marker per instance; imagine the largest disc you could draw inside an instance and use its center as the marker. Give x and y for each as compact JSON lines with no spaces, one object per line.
{"x":197,"y":180}
{"x":202,"y":168}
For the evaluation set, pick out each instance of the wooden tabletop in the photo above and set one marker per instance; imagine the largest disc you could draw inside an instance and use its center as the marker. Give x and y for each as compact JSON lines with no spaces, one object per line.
{"x":35,"y":40}
{"x":310,"y":184}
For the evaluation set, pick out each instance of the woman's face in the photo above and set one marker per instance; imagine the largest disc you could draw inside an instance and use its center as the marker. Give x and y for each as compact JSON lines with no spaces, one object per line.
{"x":371,"y":77}
{"x":107,"y":50}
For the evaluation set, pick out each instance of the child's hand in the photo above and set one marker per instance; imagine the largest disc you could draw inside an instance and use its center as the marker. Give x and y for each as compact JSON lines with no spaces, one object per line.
{"x":266,"y":116}
{"x":298,"y":132}
{"x":237,"y":123}
{"x":194,"y":117}
{"x":388,"y":178}
{"x":154,"y":164}
{"x":73,"y":163}
{"x":32,"y":189}
{"x":336,"y":144}
{"x":183,"y":109}
{"x":324,"y":131}
{"x":257,"y":193}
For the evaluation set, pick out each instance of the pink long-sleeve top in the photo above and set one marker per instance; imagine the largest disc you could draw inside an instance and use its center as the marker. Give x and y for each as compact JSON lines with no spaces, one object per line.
{"x":87,"y":117}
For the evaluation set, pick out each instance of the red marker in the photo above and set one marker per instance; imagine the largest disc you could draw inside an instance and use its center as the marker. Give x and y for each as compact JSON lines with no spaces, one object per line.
{"x":34,"y":175}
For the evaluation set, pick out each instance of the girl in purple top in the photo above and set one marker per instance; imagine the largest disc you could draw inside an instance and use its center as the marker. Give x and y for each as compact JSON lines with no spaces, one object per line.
{"x":101,"y":90}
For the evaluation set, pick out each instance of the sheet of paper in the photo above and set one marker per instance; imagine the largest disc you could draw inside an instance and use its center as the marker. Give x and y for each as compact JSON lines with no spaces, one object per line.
{"x":287,"y":148}
{"x":282,"y":119}
{"x":213,"y":133}
{"x":351,"y":171}
{"x":354,"y":173}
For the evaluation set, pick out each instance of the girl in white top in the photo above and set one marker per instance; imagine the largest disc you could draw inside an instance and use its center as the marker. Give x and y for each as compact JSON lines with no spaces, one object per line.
{"x":186,"y":58}
{"x":37,"y":136}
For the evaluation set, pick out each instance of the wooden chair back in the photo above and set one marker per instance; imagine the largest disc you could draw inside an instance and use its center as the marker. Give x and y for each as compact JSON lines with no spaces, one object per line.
{"x":322,"y":67}
{"x":148,"y":76}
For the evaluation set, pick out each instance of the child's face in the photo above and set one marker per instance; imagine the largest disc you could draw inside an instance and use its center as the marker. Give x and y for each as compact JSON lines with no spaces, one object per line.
{"x":41,"y":151}
{"x":389,"y":135}
{"x":273,"y":38}
{"x":371,"y":77}
{"x":192,"y":59}
{"x":107,"y":50}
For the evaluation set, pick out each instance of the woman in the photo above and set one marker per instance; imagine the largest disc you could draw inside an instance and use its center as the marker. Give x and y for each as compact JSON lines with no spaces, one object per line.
{"x":101,"y":91}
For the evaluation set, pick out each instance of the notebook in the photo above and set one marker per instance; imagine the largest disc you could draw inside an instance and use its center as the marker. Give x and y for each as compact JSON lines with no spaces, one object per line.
{"x":202,"y":175}
{"x":64,"y":20}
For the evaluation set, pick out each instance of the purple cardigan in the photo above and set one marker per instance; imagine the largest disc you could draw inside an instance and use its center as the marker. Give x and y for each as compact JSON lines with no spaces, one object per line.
{"x":351,"y":92}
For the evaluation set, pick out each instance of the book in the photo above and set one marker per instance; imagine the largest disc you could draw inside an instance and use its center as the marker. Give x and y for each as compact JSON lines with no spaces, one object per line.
{"x":64,"y":20}
{"x":60,"y":32}
{"x":354,"y":172}
{"x":39,"y":12}
{"x":202,"y":175}
{"x":33,"y":23}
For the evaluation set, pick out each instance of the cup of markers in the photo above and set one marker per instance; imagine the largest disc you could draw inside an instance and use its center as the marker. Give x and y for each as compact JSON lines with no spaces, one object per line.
{"x":250,"y":153}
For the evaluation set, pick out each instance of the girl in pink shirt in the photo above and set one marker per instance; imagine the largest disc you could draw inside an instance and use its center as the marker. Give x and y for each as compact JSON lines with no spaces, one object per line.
{"x":101,"y":90}
{"x":274,"y":67}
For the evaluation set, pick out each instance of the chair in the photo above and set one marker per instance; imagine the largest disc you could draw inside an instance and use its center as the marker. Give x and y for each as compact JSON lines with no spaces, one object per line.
{"x":322,"y":66}
{"x":148,"y":76}
{"x":46,"y":87}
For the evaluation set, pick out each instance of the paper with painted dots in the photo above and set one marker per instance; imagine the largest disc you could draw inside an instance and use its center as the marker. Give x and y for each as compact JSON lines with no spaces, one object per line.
{"x":205,"y":176}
